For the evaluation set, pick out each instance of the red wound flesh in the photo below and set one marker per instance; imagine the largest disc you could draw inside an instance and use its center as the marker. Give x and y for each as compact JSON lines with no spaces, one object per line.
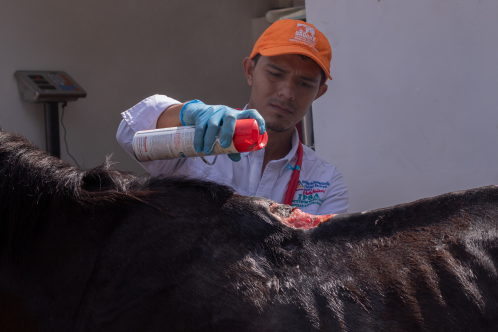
{"x":296,"y":218}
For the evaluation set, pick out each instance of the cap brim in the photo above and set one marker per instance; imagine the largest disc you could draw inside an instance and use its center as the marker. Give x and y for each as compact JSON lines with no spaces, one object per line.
{"x":280,"y":50}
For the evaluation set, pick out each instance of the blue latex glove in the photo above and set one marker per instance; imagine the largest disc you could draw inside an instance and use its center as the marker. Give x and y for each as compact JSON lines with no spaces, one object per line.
{"x":208,"y":119}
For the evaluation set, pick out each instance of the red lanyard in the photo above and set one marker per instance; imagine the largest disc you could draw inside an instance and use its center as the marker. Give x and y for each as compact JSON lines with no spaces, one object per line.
{"x":291,"y":190}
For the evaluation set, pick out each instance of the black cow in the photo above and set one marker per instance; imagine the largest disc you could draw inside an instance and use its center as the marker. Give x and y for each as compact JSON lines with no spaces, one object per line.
{"x":103,"y":250}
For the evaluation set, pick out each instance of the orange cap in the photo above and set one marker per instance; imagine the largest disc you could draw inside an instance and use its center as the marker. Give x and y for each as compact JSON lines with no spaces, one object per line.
{"x":295,"y":37}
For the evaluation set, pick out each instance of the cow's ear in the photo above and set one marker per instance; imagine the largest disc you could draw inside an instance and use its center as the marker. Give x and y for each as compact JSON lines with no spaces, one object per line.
{"x":321,"y":90}
{"x":249,"y":70}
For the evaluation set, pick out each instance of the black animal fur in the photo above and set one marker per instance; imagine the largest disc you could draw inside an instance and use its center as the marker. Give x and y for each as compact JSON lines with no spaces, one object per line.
{"x":103,"y":250}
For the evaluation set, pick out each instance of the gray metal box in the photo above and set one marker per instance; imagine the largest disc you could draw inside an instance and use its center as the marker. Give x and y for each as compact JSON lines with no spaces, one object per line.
{"x":39,"y":86}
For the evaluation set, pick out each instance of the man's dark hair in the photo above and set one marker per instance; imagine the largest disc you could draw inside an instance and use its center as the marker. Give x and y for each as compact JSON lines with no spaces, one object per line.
{"x":304,"y":57}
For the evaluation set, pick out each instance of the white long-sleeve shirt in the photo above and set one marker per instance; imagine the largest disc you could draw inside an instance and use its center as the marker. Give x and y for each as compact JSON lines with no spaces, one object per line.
{"x":321,"y":188}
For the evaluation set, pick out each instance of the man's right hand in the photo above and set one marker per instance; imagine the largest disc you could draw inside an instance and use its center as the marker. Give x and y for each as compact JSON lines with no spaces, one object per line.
{"x":208,"y":120}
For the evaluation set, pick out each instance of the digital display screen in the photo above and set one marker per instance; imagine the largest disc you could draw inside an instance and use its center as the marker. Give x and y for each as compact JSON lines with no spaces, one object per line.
{"x":36,"y":77}
{"x":41,"y":82}
{"x":47,"y":87}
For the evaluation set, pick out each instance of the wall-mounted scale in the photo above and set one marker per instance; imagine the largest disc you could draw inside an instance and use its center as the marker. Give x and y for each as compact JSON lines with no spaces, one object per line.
{"x":51,"y":88}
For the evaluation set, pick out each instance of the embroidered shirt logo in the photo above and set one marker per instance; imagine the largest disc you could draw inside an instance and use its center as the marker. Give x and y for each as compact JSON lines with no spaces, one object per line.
{"x":309,"y":193}
{"x":300,"y":186}
{"x":304,"y":34}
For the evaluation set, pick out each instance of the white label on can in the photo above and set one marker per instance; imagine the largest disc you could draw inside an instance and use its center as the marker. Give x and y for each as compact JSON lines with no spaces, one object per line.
{"x":170,"y":143}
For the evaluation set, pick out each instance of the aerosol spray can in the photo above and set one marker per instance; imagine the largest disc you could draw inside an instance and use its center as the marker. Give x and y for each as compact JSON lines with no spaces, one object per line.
{"x":178,"y":142}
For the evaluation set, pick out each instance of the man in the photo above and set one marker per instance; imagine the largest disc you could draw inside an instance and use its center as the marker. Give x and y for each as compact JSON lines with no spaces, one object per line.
{"x":287,"y":71}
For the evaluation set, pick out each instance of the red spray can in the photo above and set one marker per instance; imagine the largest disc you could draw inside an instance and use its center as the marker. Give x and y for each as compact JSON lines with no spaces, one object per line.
{"x":178,"y":142}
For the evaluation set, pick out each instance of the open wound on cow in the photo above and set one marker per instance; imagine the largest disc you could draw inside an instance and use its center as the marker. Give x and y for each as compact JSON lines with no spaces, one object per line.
{"x":295,"y":218}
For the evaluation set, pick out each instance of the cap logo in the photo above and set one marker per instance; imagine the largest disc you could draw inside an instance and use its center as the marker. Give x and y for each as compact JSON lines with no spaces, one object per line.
{"x":305,"y":34}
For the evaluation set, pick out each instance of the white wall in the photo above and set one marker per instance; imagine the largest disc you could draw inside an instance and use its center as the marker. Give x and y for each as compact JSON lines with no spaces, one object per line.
{"x":121,"y":52}
{"x":412,"y":110}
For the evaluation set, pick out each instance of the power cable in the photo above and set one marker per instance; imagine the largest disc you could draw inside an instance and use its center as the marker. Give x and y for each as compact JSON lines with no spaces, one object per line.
{"x":64,"y":104}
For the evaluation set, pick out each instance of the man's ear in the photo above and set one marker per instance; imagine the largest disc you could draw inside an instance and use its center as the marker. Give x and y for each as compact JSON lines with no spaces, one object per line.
{"x":248,"y":70}
{"x":321,"y":91}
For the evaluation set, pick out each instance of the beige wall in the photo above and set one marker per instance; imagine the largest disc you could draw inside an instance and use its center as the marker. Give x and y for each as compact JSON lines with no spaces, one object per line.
{"x":121,"y":52}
